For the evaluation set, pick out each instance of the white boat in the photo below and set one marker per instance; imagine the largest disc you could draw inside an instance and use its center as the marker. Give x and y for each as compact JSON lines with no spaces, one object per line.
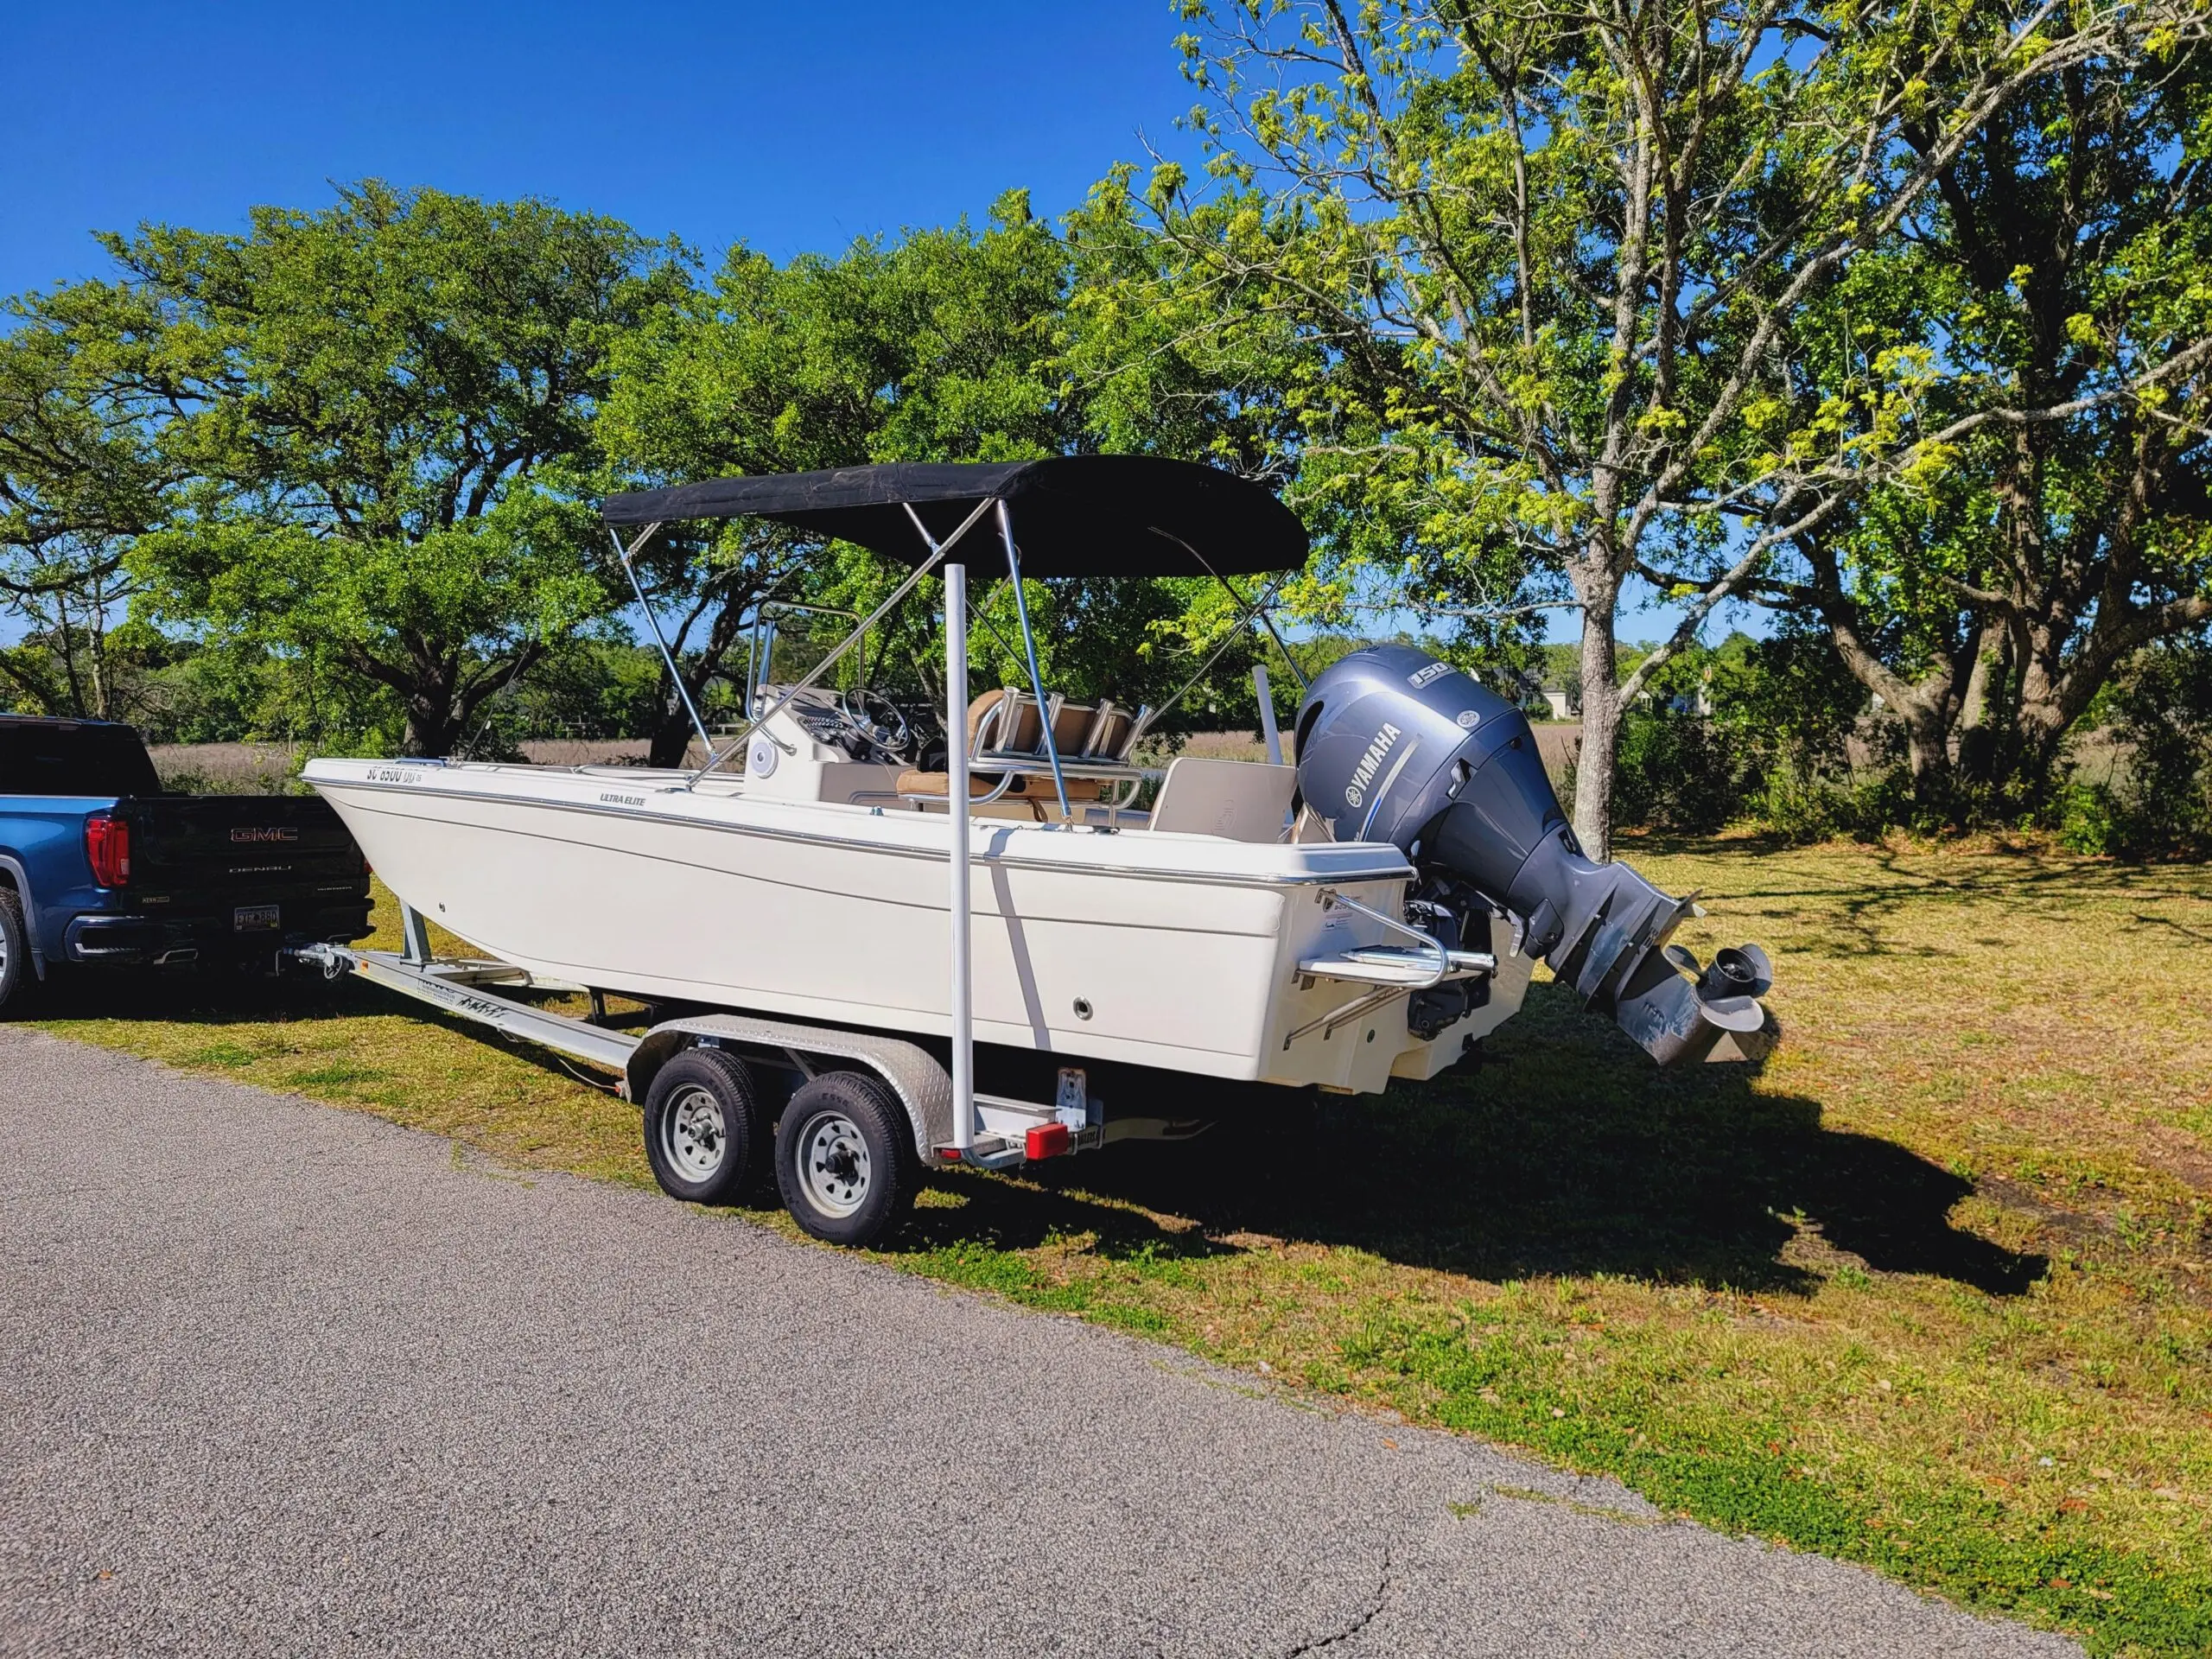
{"x":1136,"y":943}
{"x":1370,"y":912}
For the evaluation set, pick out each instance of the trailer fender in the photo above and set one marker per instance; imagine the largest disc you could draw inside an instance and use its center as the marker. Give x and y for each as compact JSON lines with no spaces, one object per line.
{"x":922,"y":1085}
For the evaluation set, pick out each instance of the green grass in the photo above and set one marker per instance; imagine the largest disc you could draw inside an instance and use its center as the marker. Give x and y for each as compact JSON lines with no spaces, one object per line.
{"x":1930,"y":1293}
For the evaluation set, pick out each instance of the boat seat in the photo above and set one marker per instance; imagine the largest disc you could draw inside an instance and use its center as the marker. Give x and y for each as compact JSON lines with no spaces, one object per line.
{"x":1026,"y":786}
{"x":1239,"y":800}
{"x":1006,"y":721}
{"x":1007,"y":725}
{"x":1112,"y":732}
{"x":1000,"y":719}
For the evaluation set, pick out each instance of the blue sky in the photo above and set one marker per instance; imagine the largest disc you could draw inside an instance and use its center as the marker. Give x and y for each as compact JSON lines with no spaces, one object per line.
{"x":791,"y":127}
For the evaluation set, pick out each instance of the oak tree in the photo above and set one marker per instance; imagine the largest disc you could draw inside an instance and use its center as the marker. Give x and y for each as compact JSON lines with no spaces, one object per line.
{"x":388,"y":406}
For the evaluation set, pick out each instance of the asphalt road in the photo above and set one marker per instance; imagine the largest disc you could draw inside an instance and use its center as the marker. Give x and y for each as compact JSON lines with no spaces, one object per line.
{"x":275,"y":1377}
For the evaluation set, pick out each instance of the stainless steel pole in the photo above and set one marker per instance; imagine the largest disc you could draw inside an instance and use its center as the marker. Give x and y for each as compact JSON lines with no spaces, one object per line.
{"x":1228,"y":639}
{"x":956,"y":766}
{"x":1267,"y":713}
{"x":675,"y":674}
{"x":1029,"y":650}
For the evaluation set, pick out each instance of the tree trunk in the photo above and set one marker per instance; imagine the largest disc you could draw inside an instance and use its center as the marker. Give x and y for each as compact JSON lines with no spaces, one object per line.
{"x":433,"y":720}
{"x":65,"y":636}
{"x":2046,"y":700}
{"x":673,"y":731}
{"x":1927,"y":747}
{"x":1927,"y":707}
{"x":671,"y":736}
{"x":432,"y":733}
{"x":1979,"y":748}
{"x":1601,"y":728}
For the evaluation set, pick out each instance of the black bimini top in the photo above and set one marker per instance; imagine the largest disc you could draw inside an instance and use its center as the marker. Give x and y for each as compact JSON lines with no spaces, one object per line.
{"x":1072,"y":515}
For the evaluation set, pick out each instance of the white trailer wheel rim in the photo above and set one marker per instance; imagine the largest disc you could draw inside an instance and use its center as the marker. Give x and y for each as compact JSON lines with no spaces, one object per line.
{"x":833,"y":1163}
{"x":695,"y":1137}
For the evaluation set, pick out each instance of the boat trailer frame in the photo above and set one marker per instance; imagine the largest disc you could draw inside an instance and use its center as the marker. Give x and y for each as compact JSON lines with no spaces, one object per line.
{"x":1003,"y":1132}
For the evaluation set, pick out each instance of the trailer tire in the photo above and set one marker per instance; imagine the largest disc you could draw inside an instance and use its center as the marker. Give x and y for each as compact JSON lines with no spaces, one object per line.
{"x":702,"y":1123}
{"x":17,"y":976}
{"x":845,"y":1158}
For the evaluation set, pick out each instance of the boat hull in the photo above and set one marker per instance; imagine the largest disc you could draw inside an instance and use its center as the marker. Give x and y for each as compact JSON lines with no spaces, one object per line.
{"x":1178,"y":951}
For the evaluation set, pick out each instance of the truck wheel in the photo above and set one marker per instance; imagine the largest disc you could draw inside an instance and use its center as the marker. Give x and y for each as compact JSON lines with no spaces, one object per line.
{"x":701,"y":1121}
{"x":845,"y":1158}
{"x":17,"y":976}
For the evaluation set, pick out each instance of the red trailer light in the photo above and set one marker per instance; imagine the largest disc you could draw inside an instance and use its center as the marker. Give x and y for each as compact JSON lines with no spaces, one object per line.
{"x":107,"y":849}
{"x":1046,"y":1141}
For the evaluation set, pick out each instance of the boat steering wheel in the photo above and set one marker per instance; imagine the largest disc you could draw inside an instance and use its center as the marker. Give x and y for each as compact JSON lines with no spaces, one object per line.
{"x":874,"y":719}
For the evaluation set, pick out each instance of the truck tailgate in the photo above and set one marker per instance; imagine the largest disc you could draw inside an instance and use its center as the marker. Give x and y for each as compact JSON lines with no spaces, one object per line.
{"x":229,"y":860}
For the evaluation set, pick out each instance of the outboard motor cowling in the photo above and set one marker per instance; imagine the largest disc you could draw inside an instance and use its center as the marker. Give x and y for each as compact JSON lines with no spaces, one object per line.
{"x":1394,"y":744}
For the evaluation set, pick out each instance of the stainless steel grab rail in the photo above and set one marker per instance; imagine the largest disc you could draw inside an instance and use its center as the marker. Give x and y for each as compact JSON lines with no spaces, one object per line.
{"x":1429,"y":946}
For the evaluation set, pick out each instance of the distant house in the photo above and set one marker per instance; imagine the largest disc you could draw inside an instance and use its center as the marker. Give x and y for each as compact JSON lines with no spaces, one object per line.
{"x":1540,"y":697}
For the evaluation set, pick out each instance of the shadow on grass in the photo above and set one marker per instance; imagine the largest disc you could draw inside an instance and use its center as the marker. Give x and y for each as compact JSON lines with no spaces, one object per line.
{"x":1889,"y":881}
{"x":1021,"y":1214}
{"x":1577,"y":1157}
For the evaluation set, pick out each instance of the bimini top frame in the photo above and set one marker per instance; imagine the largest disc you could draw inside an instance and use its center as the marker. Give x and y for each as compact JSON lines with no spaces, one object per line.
{"x":1078,"y":516}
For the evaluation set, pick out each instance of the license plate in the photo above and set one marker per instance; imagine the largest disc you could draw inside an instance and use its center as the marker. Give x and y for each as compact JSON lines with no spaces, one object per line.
{"x":256,"y":919}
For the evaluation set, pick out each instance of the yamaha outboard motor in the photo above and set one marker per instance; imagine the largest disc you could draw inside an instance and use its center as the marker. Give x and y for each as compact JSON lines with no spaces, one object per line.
{"x":1395,"y":745}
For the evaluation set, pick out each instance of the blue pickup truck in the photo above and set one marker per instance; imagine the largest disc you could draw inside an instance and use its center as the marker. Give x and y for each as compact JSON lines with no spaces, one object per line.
{"x":101,"y":869}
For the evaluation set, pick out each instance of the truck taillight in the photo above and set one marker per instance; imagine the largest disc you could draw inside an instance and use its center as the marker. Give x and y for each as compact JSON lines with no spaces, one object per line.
{"x":107,"y":846}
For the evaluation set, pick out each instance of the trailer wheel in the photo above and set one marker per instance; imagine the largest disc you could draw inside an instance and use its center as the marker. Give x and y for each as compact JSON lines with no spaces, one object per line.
{"x":845,"y":1158}
{"x":701,"y":1122}
{"x":16,"y":974}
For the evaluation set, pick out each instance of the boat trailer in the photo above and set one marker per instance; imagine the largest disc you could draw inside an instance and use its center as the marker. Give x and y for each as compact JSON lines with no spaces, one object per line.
{"x":783,"y":1055}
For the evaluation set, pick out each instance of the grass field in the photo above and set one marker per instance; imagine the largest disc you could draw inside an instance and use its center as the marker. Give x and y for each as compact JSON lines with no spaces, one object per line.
{"x":1931,"y":1292}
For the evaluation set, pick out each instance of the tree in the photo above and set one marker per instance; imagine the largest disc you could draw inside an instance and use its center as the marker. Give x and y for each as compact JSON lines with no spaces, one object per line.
{"x":1559,"y":253}
{"x":388,"y":408}
{"x":938,"y":346}
{"x":79,"y":481}
{"x":2058,"y":268}
{"x":1146,"y":372}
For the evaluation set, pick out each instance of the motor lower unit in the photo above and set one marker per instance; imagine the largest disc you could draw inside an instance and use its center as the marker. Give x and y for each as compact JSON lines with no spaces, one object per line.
{"x":1396,"y":746}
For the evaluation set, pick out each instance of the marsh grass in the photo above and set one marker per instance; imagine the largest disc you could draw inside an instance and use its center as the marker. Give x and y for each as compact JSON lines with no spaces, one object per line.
{"x":274,"y":768}
{"x":1930,"y":1293}
{"x":228,"y":768}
